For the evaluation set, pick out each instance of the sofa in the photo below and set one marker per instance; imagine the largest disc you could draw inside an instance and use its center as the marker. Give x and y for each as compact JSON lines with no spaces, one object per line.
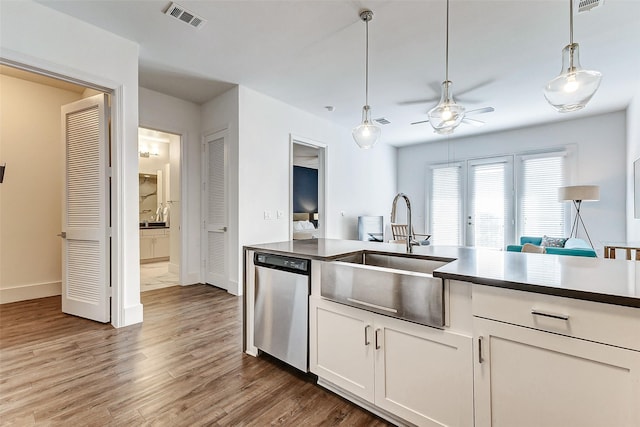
{"x":572,"y":246}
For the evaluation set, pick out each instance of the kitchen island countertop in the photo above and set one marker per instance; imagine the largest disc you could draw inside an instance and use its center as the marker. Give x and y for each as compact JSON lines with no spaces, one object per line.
{"x":611,"y":281}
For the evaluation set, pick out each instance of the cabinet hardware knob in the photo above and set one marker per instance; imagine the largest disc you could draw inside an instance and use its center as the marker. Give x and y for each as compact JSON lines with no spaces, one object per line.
{"x":551,"y":315}
{"x":62,"y":234}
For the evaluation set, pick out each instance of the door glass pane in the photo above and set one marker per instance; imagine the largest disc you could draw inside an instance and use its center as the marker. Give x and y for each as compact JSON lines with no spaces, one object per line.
{"x":488,"y":205}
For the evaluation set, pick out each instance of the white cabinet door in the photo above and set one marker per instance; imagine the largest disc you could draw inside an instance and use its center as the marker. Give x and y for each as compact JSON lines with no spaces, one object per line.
{"x":344,"y":347}
{"x":526,"y":377}
{"x":423,"y":374}
{"x":146,"y":247}
{"x":161,"y":245}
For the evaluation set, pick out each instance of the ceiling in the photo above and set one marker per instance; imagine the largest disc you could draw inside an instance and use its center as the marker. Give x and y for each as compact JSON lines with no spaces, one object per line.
{"x":310,"y":54}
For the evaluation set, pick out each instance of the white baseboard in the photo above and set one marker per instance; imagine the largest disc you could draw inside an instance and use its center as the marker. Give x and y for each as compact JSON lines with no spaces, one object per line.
{"x":30,"y":291}
{"x":132,"y":315}
{"x":192,"y":278}
{"x":234,"y":288}
{"x":174,"y":268}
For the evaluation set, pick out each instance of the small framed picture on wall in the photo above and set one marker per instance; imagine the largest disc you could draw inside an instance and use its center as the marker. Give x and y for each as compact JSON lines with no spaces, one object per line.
{"x":636,"y":188}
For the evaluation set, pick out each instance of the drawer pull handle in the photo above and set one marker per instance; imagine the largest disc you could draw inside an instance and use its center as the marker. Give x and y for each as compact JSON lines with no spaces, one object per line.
{"x":480,"y":341}
{"x":376,"y":336}
{"x":366,"y":335}
{"x":368,"y":304}
{"x":551,"y":315}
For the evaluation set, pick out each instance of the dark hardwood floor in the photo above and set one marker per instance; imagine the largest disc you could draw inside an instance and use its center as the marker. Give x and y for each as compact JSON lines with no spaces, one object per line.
{"x":182,"y":367}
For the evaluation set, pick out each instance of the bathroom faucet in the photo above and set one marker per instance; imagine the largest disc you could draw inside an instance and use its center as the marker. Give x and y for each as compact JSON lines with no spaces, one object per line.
{"x":410,"y":240}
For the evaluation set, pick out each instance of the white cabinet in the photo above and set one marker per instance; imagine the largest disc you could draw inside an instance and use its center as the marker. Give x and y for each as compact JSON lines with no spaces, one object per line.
{"x":420,"y":374}
{"x":154,"y":244}
{"x":537,"y":363}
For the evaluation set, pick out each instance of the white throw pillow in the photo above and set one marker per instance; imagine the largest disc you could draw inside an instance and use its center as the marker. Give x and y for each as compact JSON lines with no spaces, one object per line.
{"x":307,"y":225}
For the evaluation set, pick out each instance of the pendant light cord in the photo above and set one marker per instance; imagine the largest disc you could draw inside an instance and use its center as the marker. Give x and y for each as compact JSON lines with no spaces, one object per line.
{"x":366,"y":66}
{"x":570,"y":22}
{"x":446,"y":54}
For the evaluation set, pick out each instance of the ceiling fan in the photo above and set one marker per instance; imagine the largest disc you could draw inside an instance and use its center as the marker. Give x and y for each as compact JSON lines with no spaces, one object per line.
{"x":460,"y":95}
{"x":466,"y":118}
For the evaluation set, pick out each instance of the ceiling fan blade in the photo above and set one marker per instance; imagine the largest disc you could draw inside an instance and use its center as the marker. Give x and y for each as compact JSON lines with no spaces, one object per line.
{"x":417,"y":123}
{"x":419,"y":101}
{"x":473,"y":122}
{"x":481,"y":111}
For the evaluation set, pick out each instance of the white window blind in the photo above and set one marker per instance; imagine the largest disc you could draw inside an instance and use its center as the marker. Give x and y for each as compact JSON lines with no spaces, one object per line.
{"x":540,"y":212}
{"x":446,"y":205}
{"x":488,"y":213}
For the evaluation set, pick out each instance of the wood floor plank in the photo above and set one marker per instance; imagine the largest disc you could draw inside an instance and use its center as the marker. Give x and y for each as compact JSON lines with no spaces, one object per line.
{"x":182,"y":367}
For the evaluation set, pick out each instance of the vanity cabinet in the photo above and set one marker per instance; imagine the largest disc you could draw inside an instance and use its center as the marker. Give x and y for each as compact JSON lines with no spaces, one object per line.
{"x":154,"y":244}
{"x":551,"y":361}
{"x":418,"y":373}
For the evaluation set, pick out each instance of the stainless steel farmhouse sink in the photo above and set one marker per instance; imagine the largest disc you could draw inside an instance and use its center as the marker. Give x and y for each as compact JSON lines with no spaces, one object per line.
{"x":389,"y":284}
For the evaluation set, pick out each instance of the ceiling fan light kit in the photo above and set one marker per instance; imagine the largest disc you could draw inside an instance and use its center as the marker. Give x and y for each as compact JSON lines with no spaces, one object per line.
{"x":574,"y":87}
{"x":366,"y":134}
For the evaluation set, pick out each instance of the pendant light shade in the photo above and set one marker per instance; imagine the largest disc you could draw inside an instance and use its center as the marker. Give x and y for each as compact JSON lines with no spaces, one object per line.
{"x":366,"y":134}
{"x":447,"y":115}
{"x":574,"y":87}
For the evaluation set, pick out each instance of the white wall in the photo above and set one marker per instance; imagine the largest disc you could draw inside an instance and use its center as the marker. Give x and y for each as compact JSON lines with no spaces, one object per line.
{"x":360,"y":182}
{"x":40,"y":37}
{"x":166,"y":113}
{"x":600,"y":159}
{"x":31,"y":194}
{"x":633,"y":153}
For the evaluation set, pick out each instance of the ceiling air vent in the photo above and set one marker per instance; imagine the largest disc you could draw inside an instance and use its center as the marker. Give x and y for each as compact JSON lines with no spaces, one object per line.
{"x":587,"y":5}
{"x":184,"y":15}
{"x":382,"y":121}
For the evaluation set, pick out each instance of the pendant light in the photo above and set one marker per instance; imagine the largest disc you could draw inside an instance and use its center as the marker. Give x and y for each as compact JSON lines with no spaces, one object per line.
{"x":366,"y":134}
{"x":447,"y":115}
{"x":574,"y":87}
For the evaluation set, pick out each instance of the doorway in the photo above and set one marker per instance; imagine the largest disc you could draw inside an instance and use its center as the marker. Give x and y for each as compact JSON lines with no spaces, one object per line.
{"x":307,"y":199}
{"x":159,"y":177}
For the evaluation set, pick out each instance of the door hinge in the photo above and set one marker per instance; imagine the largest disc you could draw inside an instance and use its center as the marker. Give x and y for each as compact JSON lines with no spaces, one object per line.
{"x":109,"y":172}
{"x":110,"y":292}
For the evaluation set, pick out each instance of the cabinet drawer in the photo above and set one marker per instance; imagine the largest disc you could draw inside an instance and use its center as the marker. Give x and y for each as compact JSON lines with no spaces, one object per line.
{"x":604,"y":323}
{"x":154,"y":232}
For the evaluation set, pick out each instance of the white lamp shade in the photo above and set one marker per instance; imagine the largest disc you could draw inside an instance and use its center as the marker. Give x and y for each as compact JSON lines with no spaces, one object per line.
{"x":579,"y":192}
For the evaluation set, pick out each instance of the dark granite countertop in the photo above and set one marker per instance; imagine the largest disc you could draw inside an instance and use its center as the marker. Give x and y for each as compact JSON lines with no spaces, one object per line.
{"x":612,"y":281}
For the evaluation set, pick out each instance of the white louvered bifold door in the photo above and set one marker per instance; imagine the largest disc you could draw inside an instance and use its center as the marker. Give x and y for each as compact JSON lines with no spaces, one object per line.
{"x":85,"y":224}
{"x":215,"y":215}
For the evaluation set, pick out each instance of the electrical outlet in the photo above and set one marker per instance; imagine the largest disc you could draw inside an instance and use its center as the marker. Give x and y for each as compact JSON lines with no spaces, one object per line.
{"x":279,"y":214}
{"x":267,"y":215}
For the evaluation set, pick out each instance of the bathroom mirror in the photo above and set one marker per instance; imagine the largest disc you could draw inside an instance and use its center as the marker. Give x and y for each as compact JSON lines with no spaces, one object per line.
{"x":148,"y":187}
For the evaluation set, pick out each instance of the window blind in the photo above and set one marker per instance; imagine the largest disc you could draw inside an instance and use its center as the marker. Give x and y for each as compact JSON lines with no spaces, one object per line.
{"x":540,"y":212}
{"x":446,"y":205}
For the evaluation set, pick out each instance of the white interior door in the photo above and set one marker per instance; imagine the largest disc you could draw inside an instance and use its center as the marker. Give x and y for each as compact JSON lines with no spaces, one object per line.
{"x":215,"y":210}
{"x":85,"y":217}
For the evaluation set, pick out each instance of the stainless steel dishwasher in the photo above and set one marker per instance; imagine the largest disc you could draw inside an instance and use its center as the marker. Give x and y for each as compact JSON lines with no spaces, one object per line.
{"x":281,"y":308}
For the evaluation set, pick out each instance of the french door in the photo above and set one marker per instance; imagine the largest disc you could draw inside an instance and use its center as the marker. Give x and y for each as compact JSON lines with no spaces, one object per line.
{"x":489,"y":216}
{"x":85,"y":217}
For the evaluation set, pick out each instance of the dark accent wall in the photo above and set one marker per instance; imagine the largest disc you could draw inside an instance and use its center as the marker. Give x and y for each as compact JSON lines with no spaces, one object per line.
{"x":305,"y":189}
